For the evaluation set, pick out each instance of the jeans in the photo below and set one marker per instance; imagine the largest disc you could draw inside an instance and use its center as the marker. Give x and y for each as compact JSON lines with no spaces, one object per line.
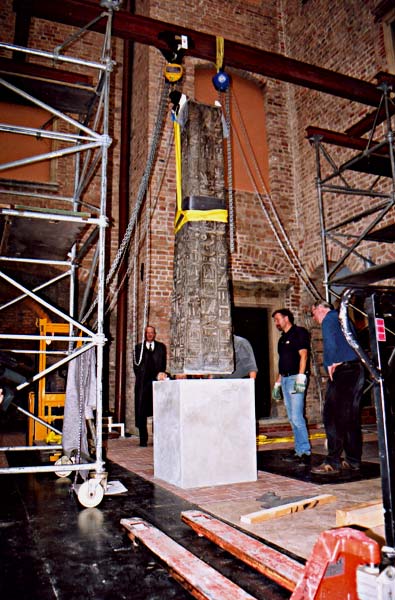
{"x":342,"y":414}
{"x":294,"y":404}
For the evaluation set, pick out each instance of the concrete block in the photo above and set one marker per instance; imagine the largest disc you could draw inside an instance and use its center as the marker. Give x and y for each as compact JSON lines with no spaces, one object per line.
{"x":204,"y":432}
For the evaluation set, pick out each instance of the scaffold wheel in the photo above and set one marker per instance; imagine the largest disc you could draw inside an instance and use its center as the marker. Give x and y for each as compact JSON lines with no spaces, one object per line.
{"x":90,"y":493}
{"x":63,"y":460}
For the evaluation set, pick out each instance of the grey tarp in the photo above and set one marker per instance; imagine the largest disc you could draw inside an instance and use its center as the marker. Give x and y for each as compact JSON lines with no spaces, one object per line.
{"x":80,"y":402}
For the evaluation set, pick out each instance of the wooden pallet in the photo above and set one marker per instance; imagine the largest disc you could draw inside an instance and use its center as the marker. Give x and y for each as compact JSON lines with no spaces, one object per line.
{"x":367,"y":514}
{"x":197,"y":577}
{"x":269,"y":562}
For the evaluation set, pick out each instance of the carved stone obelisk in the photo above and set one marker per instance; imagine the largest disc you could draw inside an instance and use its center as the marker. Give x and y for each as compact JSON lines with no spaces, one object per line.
{"x":201,"y":329}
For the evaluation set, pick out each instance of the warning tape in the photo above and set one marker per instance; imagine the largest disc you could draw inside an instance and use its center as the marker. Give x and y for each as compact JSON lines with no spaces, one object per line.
{"x":264,"y":439}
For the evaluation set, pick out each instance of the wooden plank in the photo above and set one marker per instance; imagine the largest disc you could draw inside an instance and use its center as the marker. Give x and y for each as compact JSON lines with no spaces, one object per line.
{"x":269,"y":562}
{"x":286,"y":509}
{"x":201,"y":580}
{"x":367,"y":514}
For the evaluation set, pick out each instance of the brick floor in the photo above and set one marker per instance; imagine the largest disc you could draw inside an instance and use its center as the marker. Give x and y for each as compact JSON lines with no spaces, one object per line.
{"x":296,"y":533}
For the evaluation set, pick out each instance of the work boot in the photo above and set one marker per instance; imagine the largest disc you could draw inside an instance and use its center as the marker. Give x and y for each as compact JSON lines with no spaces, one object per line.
{"x":298,"y":458}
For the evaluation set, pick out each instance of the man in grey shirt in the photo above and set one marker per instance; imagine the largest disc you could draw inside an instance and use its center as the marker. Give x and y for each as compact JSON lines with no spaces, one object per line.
{"x":245,"y":364}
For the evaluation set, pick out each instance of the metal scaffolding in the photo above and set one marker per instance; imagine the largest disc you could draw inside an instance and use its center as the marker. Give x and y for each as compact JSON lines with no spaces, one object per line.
{"x":65,"y":231}
{"x":357,"y":232}
{"x":352,"y":235}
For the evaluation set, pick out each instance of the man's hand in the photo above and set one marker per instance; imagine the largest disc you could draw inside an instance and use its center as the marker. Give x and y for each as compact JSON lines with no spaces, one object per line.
{"x":162,"y":376}
{"x":276,"y":391}
{"x":331,"y":370}
{"x":300,"y":383}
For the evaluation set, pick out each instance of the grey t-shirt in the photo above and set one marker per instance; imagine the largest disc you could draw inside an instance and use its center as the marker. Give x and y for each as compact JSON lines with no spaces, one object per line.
{"x":244,"y":358}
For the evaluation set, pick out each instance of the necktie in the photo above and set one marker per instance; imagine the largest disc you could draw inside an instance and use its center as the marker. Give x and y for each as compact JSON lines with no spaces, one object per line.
{"x":151,"y":347}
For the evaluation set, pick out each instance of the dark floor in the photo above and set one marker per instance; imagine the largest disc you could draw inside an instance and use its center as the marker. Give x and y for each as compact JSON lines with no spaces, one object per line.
{"x":53,"y":548}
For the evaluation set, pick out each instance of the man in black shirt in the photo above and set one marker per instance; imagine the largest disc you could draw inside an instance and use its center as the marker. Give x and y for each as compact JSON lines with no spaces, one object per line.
{"x":293,"y":351}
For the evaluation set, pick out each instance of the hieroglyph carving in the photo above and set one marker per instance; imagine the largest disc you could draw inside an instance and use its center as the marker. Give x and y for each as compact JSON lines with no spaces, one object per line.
{"x":201,"y":328}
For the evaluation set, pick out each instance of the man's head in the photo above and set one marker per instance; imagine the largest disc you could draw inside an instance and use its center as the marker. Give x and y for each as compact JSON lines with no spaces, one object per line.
{"x":320,"y":309}
{"x":283,"y":319}
{"x":150,"y":333}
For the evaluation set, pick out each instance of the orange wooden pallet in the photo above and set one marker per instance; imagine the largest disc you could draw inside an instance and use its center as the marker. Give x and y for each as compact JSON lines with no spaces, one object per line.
{"x":267,"y":561}
{"x":197,"y":577}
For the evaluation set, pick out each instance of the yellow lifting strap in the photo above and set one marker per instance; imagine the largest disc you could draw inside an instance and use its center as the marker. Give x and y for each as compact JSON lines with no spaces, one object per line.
{"x":220,"y":45}
{"x":185,"y":216}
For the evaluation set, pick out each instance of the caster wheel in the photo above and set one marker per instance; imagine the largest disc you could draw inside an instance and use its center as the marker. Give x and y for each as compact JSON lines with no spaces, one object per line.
{"x":63,"y":460}
{"x":90,"y":493}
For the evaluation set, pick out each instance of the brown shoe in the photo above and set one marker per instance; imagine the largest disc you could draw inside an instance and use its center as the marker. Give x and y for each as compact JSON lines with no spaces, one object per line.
{"x":346,"y":466}
{"x":325,"y":469}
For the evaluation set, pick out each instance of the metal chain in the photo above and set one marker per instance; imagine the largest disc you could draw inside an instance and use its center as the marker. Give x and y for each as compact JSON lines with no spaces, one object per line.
{"x":141,"y":191}
{"x":114,"y":291}
{"x":146,"y":290}
{"x":230,"y":171}
{"x":81,"y":403}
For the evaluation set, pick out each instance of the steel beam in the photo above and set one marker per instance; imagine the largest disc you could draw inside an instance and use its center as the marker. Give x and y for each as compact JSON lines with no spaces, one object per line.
{"x":145,"y":30}
{"x":345,"y":141}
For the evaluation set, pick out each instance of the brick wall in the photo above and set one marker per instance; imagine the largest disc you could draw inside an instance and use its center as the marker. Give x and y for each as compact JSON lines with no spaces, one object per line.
{"x":339,"y":35}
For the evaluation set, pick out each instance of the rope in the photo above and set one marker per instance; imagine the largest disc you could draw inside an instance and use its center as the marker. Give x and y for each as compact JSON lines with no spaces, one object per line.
{"x":275,"y":224}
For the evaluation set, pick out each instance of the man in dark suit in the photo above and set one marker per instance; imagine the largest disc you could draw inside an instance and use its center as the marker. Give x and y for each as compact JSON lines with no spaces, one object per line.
{"x":149,"y":361}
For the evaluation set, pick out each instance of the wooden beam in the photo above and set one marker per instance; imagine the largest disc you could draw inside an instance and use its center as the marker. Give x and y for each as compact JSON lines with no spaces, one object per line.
{"x":367,"y":514}
{"x":269,"y":562}
{"x":201,"y":580}
{"x":286,"y":509}
{"x":240,"y":56}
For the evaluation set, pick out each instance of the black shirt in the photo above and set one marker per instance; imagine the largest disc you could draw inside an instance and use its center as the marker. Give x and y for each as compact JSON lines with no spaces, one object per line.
{"x":289,"y":344}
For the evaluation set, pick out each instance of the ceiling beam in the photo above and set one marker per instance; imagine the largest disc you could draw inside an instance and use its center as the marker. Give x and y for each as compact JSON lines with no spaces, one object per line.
{"x":384,"y":80}
{"x":341,"y":139}
{"x":145,"y":30}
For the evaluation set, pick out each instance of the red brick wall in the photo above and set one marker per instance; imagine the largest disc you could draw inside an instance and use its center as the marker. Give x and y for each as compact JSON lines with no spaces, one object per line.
{"x":337,"y":35}
{"x":330,"y":33}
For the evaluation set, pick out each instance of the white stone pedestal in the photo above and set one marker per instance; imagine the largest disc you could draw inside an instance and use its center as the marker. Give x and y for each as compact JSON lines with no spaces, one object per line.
{"x":204,"y":432}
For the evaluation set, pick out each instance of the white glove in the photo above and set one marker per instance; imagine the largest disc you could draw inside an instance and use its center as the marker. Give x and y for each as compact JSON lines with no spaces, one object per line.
{"x":276,"y":391}
{"x":300,"y":383}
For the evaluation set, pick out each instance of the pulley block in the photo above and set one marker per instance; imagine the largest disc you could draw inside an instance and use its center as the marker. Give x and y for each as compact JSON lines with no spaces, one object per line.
{"x":173,"y":72}
{"x":221,"y":81}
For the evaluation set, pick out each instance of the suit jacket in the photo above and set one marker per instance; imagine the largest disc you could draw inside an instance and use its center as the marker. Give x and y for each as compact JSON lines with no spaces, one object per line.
{"x":152,"y":363}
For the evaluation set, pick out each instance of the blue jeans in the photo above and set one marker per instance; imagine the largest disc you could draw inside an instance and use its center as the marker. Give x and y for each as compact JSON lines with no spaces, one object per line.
{"x":294,"y":404}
